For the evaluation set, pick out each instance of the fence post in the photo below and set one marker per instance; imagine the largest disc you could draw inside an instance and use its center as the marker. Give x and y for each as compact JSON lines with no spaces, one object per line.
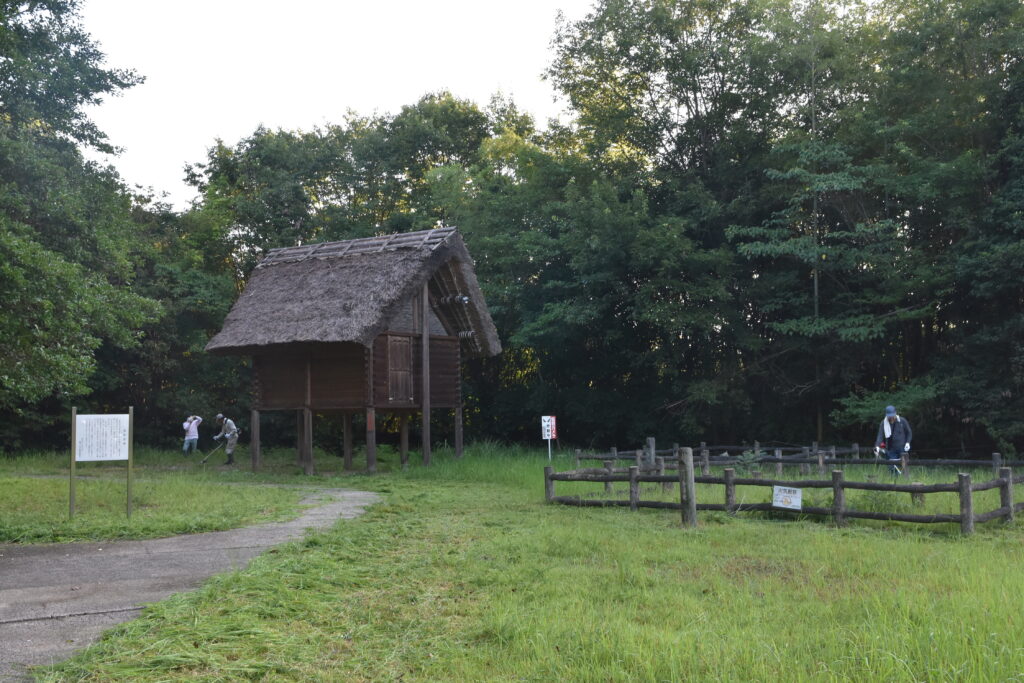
{"x":730,"y":490}
{"x":615,"y":453}
{"x":757,"y":449}
{"x":608,"y":464}
{"x":778,"y":463}
{"x":705,"y":460}
{"x":634,"y":488}
{"x":966,"y":504}
{"x":1006,"y":492}
{"x":549,"y":484}
{"x":577,"y":455}
{"x":805,"y":455}
{"x":855,"y":451}
{"x":916,"y":497}
{"x":820,"y":455}
{"x":638,"y":457}
{"x":838,"y":498}
{"x":686,"y":484}
{"x":997,"y":462}
{"x":905,"y":462}
{"x":660,"y":462}
{"x":832,"y":453}
{"x":755,"y":474}
{"x":650,"y":450}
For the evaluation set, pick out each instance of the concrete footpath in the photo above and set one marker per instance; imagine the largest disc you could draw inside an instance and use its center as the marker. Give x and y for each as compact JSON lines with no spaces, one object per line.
{"x":58,"y":598}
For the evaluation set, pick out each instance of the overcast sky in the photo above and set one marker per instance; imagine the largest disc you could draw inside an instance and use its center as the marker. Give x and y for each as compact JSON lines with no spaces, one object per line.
{"x":219,"y":68}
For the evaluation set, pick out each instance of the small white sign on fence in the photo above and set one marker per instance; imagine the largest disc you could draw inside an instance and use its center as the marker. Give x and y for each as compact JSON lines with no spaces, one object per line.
{"x":786,"y":497}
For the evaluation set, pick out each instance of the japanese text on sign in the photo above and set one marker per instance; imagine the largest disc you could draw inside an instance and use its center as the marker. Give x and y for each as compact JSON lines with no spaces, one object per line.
{"x":786,"y":497}
{"x":101,"y":437}
{"x":548,"y":427}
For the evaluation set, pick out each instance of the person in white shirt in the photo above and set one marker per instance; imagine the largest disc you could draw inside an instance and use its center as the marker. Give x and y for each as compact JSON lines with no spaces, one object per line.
{"x":191,"y":427}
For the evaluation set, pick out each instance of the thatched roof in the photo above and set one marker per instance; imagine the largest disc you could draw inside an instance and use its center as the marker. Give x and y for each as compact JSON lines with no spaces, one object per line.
{"x":351,"y":291}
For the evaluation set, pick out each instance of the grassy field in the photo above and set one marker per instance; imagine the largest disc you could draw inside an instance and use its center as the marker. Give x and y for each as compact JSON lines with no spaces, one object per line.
{"x":170,"y":496}
{"x":465,"y":574}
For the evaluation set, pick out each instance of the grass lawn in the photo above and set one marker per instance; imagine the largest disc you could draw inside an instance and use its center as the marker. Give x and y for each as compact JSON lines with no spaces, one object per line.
{"x":463,"y":573}
{"x":170,"y":496}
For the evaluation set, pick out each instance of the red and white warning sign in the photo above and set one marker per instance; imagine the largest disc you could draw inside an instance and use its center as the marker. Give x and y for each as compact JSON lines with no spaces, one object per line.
{"x":548,"y":427}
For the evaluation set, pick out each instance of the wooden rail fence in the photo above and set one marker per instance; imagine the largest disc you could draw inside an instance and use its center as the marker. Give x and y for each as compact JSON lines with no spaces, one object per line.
{"x":839,"y":511}
{"x":806,"y":456}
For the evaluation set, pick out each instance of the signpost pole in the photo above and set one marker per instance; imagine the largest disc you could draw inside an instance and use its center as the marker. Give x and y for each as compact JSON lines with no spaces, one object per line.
{"x":101,"y":438}
{"x":74,"y":448}
{"x":131,"y":452}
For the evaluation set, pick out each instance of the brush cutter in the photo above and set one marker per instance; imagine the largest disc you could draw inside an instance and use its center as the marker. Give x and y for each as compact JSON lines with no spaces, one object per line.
{"x":203,"y":461}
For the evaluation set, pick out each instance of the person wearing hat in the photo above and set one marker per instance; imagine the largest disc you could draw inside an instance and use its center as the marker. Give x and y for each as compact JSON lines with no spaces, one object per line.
{"x":191,"y":427}
{"x":894,"y":437}
{"x":228,"y":431}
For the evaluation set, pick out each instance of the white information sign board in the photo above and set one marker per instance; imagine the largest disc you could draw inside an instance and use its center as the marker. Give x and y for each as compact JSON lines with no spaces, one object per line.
{"x":786,"y":497}
{"x":101,"y":437}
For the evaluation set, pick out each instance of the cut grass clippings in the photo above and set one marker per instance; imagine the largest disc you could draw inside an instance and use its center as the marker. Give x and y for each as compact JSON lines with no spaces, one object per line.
{"x":35,"y":510}
{"x":465,"y":574}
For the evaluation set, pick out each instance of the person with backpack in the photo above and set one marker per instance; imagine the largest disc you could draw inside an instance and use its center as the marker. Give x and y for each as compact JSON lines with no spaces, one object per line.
{"x":228,"y":431}
{"x":894,"y":435}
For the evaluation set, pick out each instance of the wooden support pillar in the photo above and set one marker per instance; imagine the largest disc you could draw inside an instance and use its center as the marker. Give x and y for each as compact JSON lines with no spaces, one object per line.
{"x":425,"y":339}
{"x":778,"y":463}
{"x":346,"y":443}
{"x":307,"y":420}
{"x":403,"y":443}
{"x":300,"y":439}
{"x":307,"y":440}
{"x":254,"y":440}
{"x":371,"y":439}
{"x":458,"y":430}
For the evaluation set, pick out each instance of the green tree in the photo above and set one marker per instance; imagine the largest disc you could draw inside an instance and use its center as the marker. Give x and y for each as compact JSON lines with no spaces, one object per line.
{"x":67,"y":240}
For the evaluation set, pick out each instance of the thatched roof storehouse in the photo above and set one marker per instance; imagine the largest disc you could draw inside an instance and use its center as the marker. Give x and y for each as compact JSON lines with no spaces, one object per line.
{"x":339,"y":326}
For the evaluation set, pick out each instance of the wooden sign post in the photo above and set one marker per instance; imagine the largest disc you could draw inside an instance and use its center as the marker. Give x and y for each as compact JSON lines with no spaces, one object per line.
{"x":101,"y":438}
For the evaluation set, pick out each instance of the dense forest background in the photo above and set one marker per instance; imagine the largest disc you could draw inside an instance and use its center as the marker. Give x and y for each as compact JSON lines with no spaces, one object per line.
{"x":767,"y":220}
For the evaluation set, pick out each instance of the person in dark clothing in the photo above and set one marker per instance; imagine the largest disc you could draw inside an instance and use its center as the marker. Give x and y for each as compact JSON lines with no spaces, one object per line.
{"x":894,"y":435}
